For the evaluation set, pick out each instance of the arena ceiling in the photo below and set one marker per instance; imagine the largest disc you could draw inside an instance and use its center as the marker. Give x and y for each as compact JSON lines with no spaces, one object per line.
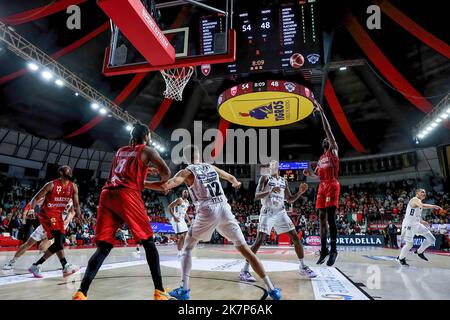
{"x":379,"y":115}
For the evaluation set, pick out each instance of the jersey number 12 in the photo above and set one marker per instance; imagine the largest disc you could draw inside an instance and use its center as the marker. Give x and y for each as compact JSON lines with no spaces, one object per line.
{"x":214,"y":189}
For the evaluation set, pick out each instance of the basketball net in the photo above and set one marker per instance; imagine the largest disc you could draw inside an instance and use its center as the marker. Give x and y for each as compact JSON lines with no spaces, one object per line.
{"x":176,"y":80}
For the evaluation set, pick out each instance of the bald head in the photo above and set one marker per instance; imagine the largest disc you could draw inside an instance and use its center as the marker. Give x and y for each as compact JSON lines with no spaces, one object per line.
{"x":421,"y":193}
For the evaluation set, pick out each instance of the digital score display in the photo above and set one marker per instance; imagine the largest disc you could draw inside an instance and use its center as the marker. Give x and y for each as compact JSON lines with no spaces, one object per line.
{"x":267,"y":37}
{"x":212,"y":35}
{"x":293,"y":165}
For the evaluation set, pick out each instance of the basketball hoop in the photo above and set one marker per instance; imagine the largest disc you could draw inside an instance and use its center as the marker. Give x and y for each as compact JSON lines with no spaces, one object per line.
{"x":176,"y":79}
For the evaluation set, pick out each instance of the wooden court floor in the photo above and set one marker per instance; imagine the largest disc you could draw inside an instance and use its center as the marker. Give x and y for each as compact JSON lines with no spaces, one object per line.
{"x":360,"y":273}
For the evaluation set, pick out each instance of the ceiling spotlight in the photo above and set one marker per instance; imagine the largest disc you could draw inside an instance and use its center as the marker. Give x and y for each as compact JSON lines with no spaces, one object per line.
{"x":76,"y":94}
{"x":448,"y":110}
{"x":59,"y":82}
{"x":95,"y":106}
{"x":154,"y":144}
{"x":444,"y":115}
{"x":102,"y":111}
{"x":162,"y":149}
{"x":434,"y":124}
{"x":32,"y":66}
{"x":129,"y":127}
{"x":421,"y":136}
{"x":47,"y":75}
{"x":343,"y":68}
{"x":438,"y":120}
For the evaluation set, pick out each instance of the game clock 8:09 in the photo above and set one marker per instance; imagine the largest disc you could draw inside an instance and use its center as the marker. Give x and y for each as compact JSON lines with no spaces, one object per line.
{"x":270,"y":36}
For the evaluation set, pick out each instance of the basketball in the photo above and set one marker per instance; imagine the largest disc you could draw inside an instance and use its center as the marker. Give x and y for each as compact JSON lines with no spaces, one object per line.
{"x":297,"y":61}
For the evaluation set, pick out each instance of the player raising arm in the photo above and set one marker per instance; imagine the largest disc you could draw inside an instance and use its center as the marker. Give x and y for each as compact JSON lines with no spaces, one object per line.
{"x":213,"y":213}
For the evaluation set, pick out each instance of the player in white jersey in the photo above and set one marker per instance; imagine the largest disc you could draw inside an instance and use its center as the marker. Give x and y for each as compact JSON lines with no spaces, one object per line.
{"x":213,"y":213}
{"x":178,"y":209}
{"x":273,"y":191}
{"x":414,"y":225}
{"x":39,"y":235}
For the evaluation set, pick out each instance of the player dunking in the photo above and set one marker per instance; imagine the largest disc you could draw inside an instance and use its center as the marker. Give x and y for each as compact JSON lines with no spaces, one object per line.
{"x":327,"y":200}
{"x":121,"y":202}
{"x":178,"y":209}
{"x":57,"y":194}
{"x":414,"y":225}
{"x":273,"y":191}
{"x":39,"y":235}
{"x":213,"y":212}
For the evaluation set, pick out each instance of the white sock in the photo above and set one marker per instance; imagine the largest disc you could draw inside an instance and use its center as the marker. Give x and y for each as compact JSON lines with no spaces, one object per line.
{"x":186,"y":266}
{"x":268,"y":283}
{"x":246,"y":267}
{"x":302,"y":264}
{"x":405,"y":250}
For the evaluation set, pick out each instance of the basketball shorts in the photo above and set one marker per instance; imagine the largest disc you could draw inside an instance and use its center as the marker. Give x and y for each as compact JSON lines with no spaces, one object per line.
{"x":218,"y":217}
{"x":119,"y":206}
{"x":279,"y":220}
{"x":179,"y":227}
{"x":409,"y":231}
{"x":39,"y":234}
{"x":51,"y":221}
{"x":328,"y":194}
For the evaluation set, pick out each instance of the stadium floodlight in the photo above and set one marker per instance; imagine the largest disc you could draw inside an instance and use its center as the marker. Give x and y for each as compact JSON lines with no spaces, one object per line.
{"x":343,"y":68}
{"x":444,"y":115}
{"x":47,"y":75}
{"x":59,"y":82}
{"x":448,"y":110}
{"x":95,"y":106}
{"x":102,"y":111}
{"x":32,"y":66}
{"x":434,"y":124}
{"x":438,"y":120}
{"x":129,"y":127}
{"x":421,"y":136}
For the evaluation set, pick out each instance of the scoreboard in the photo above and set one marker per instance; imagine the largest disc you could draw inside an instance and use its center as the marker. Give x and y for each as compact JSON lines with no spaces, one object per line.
{"x":268,"y":34}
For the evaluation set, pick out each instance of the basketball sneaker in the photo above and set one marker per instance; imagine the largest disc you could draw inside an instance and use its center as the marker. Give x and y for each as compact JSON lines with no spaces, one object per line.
{"x":306,"y":272}
{"x":275,"y":294}
{"x":36,"y":270}
{"x":79,"y":296}
{"x":162,"y":295}
{"x":8,"y":266}
{"x":70,"y":269}
{"x":180,"y":293}
{"x":332,"y":258}
{"x":246,"y":276}
{"x":323,"y":255}
{"x":402,"y":261}
{"x":421,"y":255}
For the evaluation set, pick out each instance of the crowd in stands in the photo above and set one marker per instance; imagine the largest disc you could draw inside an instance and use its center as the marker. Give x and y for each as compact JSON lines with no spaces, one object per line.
{"x":361,"y":206}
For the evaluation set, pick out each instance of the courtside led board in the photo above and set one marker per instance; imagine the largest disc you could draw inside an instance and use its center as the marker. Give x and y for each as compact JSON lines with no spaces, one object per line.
{"x":270,"y":103}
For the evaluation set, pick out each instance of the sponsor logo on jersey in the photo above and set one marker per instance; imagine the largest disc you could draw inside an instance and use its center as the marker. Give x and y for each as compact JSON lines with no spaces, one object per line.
{"x":233,"y":91}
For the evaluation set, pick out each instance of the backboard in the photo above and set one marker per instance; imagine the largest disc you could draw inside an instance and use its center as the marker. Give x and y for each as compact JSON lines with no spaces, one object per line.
{"x":200,"y":32}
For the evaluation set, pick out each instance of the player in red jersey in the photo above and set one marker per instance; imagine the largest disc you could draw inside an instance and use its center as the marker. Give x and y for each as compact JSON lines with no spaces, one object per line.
{"x":121,"y":202}
{"x":328,"y":193}
{"x":57,"y":194}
